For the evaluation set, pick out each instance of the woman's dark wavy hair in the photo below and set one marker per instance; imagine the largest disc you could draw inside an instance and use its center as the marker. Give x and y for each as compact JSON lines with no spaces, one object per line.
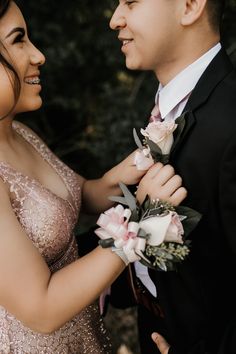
{"x":4,"y":5}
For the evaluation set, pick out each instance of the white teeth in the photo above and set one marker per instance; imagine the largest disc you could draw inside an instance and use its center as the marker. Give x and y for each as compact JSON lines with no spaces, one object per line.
{"x":33,"y":80}
{"x":126,"y":41}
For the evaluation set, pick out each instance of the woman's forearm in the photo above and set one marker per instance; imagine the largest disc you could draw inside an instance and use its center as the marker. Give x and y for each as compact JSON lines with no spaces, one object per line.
{"x":71,"y":289}
{"x":96,"y":193}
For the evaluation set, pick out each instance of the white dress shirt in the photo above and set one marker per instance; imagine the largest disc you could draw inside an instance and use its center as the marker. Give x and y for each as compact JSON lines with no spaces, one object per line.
{"x":172,"y":99}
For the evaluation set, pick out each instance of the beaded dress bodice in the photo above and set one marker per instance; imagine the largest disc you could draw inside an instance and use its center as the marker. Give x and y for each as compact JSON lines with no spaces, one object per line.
{"x":49,"y":221}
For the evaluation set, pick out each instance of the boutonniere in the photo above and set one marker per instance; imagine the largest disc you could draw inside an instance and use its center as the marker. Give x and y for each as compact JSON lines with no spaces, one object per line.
{"x":155,"y":231}
{"x":159,"y":140}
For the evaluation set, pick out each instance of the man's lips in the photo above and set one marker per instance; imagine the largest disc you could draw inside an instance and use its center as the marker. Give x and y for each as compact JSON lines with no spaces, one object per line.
{"x":125,"y":41}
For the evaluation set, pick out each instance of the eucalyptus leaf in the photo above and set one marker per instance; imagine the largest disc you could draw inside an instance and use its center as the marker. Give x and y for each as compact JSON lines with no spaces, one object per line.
{"x":137,"y":140}
{"x":146,"y":203}
{"x":135,"y":215}
{"x":142,"y":234}
{"x":162,"y":265}
{"x":147,"y":264}
{"x":164,"y":159}
{"x":130,"y":199}
{"x":163,"y":253}
{"x":153,"y":147}
{"x":120,"y":200}
{"x":192,"y":218}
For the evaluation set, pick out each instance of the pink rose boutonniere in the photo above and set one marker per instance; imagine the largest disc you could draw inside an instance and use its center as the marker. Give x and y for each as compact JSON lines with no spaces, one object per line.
{"x":158,"y":142}
{"x":154,"y":232}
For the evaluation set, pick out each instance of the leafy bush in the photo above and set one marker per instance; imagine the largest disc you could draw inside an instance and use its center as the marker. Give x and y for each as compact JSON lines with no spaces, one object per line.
{"x":91,"y":102}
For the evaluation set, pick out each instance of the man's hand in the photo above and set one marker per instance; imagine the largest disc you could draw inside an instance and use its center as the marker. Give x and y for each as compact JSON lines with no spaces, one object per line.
{"x":161,"y":343}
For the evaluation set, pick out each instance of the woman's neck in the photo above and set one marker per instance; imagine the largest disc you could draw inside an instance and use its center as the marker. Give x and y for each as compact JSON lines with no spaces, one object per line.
{"x":7,"y":134}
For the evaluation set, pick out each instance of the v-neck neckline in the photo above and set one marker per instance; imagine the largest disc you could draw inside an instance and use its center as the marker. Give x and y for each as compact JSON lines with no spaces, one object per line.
{"x":22,"y":132}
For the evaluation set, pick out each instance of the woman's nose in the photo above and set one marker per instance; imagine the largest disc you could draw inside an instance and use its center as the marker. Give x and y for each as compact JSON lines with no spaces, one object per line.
{"x":37,"y":57}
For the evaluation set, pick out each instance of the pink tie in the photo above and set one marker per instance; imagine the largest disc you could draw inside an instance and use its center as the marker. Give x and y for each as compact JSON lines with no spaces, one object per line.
{"x":155,"y":114}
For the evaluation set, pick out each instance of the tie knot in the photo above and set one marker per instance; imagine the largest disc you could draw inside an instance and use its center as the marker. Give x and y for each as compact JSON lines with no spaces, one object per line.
{"x":155,"y":114}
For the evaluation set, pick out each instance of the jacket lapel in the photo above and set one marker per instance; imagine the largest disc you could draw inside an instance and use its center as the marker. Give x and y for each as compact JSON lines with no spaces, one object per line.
{"x":220,"y":67}
{"x":217,"y":70}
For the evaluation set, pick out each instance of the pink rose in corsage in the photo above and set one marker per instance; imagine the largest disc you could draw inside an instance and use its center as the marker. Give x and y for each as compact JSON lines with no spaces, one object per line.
{"x":161,"y":133}
{"x":154,"y":232}
{"x":158,"y":142}
{"x":169,"y":226}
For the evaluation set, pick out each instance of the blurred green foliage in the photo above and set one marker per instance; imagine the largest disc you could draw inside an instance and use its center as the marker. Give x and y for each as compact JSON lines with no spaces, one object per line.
{"x":91,"y":102}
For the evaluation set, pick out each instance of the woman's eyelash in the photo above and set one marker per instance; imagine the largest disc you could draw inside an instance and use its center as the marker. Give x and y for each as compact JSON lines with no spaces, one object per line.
{"x":129,"y":2}
{"x":19,"y":38}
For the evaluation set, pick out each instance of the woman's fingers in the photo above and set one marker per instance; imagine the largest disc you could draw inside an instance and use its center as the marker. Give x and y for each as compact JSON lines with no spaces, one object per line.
{"x":171,"y":185}
{"x":178,"y":196}
{"x":161,"y":173}
{"x":154,"y":170}
{"x":161,"y":182}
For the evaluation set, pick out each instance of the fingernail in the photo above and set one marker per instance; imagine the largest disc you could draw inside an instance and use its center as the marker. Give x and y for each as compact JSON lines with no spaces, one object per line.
{"x":154,"y":336}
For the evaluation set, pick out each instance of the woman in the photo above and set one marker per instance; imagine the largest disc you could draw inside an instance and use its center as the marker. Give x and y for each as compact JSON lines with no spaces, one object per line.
{"x":47,"y":294}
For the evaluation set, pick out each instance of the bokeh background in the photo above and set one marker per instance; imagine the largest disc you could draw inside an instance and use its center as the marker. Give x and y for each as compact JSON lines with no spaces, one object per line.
{"x":91,"y":102}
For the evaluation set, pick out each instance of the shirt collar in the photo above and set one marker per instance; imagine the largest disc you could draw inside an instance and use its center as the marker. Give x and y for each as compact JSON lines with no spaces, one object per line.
{"x":177,"y":89}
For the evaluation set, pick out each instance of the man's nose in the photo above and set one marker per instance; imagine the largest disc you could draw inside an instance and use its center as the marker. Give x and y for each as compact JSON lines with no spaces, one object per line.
{"x":118,"y":20}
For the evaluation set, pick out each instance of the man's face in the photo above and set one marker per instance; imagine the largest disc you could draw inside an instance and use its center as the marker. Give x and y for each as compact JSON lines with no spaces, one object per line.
{"x":148,"y":30}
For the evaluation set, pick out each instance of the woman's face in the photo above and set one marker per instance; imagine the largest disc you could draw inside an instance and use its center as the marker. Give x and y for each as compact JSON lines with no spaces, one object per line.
{"x":26,"y":60}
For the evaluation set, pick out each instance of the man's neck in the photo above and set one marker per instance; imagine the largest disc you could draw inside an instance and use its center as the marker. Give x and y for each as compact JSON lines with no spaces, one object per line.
{"x":171,"y":69}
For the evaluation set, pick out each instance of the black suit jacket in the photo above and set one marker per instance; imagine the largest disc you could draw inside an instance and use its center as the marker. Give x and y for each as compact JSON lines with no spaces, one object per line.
{"x":199,"y":300}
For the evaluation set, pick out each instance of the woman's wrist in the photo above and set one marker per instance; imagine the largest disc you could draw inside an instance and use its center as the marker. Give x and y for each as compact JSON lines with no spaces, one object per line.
{"x":120,"y":252}
{"x":111,"y":180}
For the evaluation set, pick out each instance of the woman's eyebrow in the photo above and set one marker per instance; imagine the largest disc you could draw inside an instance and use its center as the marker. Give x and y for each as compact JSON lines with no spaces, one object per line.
{"x":14,"y":30}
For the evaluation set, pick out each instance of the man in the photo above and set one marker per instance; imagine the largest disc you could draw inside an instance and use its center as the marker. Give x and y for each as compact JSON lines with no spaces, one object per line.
{"x":180,"y":41}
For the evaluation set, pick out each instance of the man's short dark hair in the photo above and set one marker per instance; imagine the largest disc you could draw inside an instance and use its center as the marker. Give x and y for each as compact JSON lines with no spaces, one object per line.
{"x":215,"y":10}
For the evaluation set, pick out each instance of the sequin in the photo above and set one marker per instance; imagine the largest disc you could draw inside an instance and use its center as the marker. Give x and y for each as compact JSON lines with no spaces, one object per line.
{"x":49,"y":222}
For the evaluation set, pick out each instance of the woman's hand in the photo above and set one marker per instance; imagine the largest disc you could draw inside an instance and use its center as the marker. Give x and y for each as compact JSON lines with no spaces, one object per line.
{"x":125,"y":172}
{"x":161,"y":182}
{"x":96,"y":192}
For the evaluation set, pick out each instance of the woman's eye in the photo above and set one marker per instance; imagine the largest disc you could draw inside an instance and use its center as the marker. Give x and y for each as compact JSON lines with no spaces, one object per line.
{"x":19,"y":38}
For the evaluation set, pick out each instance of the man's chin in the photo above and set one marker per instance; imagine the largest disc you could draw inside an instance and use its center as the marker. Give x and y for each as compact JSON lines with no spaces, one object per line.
{"x":132,"y":65}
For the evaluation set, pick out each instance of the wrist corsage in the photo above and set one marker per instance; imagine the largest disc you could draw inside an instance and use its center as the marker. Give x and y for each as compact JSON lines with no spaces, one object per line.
{"x":154,"y":232}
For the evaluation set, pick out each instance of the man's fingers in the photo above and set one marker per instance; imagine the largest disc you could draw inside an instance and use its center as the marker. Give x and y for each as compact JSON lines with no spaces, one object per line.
{"x":155,"y":338}
{"x":161,"y":343}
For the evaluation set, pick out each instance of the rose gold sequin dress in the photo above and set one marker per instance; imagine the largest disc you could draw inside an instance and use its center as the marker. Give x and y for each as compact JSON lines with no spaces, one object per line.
{"x":49,"y":221}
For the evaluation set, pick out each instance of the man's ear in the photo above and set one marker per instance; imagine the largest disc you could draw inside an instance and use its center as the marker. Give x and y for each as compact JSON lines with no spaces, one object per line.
{"x":193,"y":10}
